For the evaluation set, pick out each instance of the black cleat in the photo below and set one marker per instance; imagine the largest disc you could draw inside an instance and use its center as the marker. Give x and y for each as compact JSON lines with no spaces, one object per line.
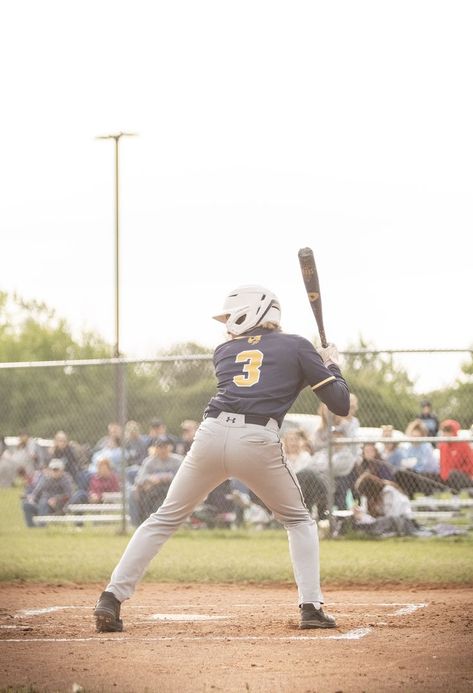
{"x":315,"y":618}
{"x":107,"y":614}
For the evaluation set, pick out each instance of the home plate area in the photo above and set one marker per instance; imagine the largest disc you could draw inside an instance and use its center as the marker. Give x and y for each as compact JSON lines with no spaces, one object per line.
{"x":201,"y":620}
{"x":231,"y":638}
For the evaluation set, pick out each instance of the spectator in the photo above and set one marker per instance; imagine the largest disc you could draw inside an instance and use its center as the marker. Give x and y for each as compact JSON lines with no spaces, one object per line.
{"x":384,"y":498}
{"x":153,"y":479}
{"x":419,"y":469}
{"x":344,"y":456}
{"x":372,"y":462}
{"x":105,"y":480}
{"x":110,"y":447}
{"x":313,"y":483}
{"x":421,"y":454}
{"x":63,"y":450}
{"x":50,"y":494}
{"x":135,"y":449}
{"x":388,"y":510}
{"x":392,"y":453}
{"x":218,"y":509}
{"x":428,"y":418}
{"x":27,"y":456}
{"x":134,"y":444}
{"x":158,"y":428}
{"x":8,"y":468}
{"x":188,"y":430}
{"x":456,"y":459}
{"x":113,"y":439}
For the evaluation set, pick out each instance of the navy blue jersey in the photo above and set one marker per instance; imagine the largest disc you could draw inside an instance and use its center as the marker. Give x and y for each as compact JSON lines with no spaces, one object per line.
{"x":263,"y":371}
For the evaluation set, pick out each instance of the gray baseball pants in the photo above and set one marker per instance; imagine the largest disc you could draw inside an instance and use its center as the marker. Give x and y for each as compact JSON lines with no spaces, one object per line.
{"x":228,"y":447}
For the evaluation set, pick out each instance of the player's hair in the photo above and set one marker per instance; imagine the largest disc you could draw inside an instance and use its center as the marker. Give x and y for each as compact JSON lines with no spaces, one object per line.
{"x":271,"y":326}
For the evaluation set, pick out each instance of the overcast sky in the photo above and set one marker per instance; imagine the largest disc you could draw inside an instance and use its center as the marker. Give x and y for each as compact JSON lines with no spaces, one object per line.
{"x":264,"y":127}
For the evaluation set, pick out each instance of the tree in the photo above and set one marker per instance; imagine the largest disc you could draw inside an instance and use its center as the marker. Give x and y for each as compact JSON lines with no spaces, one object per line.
{"x":43,"y":400}
{"x":384,"y":390}
{"x":456,"y":402}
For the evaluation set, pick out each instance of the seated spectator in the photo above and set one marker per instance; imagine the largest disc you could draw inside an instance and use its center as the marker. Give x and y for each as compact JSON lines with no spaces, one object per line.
{"x":384,"y":498}
{"x":422,"y":454}
{"x":135,"y":449}
{"x":419,"y":468}
{"x":105,"y":480}
{"x":134,"y":444}
{"x":344,"y":456}
{"x":113,"y":439}
{"x":218,"y":509}
{"x":27,"y":456}
{"x":158,"y":428}
{"x":392,"y":453}
{"x":372,"y":462}
{"x":63,"y":450}
{"x":51,"y":493}
{"x":188,"y":430}
{"x":388,"y":509}
{"x":153,"y":479}
{"x":313,"y":483}
{"x":109,"y":447}
{"x":8,"y":467}
{"x":456,"y":459}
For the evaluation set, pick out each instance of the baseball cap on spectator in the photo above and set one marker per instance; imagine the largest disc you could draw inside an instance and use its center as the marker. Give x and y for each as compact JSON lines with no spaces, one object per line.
{"x":425,"y":403}
{"x":156,"y":423}
{"x":56,"y":464}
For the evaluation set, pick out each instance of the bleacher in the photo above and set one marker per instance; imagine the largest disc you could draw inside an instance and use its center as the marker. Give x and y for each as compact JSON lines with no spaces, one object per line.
{"x":108,"y":512}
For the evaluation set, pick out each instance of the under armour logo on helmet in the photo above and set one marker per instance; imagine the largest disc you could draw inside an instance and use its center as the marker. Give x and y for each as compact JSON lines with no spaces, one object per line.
{"x":229,"y":418}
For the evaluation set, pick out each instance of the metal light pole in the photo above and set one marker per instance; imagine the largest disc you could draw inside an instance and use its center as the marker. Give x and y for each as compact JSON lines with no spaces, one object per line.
{"x":117,"y":137}
{"x":120,"y":390}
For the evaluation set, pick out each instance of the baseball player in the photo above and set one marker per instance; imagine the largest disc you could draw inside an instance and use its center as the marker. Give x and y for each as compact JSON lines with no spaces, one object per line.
{"x":260,"y":371}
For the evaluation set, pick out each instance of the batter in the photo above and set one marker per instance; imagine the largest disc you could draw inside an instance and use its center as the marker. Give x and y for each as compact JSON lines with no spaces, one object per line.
{"x":260,"y":372}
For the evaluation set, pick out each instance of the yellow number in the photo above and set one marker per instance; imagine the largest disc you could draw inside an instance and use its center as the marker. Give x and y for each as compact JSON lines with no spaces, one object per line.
{"x":251,"y":369}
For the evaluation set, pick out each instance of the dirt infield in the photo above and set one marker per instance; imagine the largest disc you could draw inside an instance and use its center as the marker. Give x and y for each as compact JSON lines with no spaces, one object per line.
{"x":210,"y":638}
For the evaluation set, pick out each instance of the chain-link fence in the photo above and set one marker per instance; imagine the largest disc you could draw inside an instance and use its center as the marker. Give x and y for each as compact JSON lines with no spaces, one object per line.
{"x":102,"y":419}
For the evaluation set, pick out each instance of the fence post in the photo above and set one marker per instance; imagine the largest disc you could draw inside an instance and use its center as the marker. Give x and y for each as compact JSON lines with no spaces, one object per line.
{"x":331,"y":476}
{"x":121,"y":409}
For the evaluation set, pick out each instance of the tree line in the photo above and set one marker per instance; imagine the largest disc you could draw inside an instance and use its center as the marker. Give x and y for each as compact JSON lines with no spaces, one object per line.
{"x":82,"y":400}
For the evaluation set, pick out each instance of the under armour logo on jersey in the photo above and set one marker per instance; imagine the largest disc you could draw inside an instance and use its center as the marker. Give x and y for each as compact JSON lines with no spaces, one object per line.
{"x":255,"y":339}
{"x":232,"y":419}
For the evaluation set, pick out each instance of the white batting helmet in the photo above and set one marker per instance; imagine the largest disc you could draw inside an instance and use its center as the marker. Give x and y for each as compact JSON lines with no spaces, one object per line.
{"x":249,"y":306}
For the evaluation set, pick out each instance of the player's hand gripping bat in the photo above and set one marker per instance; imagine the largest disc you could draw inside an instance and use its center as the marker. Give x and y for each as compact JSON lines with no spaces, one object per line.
{"x":311,"y":281}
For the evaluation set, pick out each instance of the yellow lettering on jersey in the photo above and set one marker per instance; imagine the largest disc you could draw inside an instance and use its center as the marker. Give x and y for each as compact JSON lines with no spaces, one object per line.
{"x":251,"y":370}
{"x":254,"y":340}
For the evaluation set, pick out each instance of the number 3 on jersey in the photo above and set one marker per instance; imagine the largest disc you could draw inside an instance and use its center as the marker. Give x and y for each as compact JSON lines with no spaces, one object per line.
{"x":251,"y":369}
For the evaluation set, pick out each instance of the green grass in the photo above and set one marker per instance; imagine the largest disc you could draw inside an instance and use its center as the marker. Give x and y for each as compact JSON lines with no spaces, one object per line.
{"x":62,"y":554}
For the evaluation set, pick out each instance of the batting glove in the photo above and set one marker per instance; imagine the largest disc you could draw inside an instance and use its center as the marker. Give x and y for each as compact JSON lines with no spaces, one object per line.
{"x":329,"y":354}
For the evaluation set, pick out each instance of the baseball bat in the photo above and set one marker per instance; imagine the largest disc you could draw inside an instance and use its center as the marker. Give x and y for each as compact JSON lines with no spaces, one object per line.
{"x":311,"y":282}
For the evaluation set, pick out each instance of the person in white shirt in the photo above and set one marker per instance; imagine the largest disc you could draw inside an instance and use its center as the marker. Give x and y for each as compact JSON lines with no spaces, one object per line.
{"x":384,"y":499}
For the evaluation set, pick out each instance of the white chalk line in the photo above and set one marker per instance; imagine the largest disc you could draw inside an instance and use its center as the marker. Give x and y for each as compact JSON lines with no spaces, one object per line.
{"x":404,"y":610}
{"x":355,"y":634}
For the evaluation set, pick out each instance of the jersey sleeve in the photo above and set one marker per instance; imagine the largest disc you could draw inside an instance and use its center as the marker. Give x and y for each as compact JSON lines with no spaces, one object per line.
{"x":326,"y":382}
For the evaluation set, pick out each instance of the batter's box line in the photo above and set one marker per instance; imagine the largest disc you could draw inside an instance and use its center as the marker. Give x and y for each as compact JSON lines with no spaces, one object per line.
{"x":404,"y":610}
{"x":355,"y":634}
